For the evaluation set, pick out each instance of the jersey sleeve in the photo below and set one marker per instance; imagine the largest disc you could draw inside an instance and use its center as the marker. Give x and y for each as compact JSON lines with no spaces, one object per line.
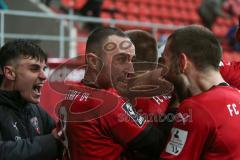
{"x":152,"y":105}
{"x":191,"y":132}
{"x":231,"y":73}
{"x":125,"y":123}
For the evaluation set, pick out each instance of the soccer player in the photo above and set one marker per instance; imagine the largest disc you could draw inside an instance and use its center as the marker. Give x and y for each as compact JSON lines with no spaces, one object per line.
{"x":101,"y":124}
{"x":231,"y":70}
{"x":146,"y":60}
{"x":211,"y":129}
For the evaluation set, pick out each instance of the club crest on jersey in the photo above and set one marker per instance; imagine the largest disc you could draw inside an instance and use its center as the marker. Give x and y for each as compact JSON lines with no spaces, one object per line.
{"x":138,"y":119}
{"x":177,"y":141}
{"x":34,"y":122}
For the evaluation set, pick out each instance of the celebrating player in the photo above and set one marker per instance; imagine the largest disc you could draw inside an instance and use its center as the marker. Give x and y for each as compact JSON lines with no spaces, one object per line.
{"x":193,"y":54}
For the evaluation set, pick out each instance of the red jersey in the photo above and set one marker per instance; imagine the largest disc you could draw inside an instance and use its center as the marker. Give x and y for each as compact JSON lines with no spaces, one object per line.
{"x":207,"y":127}
{"x":152,"y":108}
{"x":99,"y":123}
{"x":231,"y":73}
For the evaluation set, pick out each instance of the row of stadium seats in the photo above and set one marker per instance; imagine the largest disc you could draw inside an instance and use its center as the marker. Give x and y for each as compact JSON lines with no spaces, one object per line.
{"x":176,"y":12}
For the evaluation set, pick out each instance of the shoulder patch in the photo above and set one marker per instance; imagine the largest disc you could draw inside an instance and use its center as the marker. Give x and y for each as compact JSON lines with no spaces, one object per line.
{"x":137,"y":118}
{"x":177,"y":141}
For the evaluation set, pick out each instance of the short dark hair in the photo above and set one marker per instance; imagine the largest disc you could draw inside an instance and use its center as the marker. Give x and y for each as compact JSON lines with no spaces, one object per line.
{"x":199,"y":44}
{"x":145,"y":45}
{"x":16,"y":48}
{"x":98,"y":36}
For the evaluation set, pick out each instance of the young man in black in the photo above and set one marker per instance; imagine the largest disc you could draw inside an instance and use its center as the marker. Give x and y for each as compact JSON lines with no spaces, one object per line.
{"x":26,"y":131}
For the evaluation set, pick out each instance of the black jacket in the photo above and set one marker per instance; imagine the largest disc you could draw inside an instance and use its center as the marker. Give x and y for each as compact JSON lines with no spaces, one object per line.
{"x":25,"y":130}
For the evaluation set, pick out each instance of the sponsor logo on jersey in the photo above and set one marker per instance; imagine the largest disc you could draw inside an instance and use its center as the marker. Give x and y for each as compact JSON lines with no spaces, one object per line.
{"x":177,"y":141}
{"x":137,"y":118}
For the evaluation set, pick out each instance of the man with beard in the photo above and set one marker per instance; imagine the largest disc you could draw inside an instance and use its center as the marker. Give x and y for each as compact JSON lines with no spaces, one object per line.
{"x":99,"y":123}
{"x":26,"y":131}
{"x":145,"y":60}
{"x":153,"y":108}
{"x":193,"y":55}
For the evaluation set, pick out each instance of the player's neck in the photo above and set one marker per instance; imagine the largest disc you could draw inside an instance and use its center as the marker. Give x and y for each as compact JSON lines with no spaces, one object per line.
{"x":203,"y":81}
{"x":7,"y":86}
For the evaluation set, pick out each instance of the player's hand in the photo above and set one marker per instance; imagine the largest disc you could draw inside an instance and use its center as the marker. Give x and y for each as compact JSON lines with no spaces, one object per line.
{"x":57,"y":134}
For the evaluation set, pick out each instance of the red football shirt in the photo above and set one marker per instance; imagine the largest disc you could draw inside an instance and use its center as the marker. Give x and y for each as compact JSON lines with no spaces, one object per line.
{"x":99,"y":123}
{"x":152,"y":108}
{"x":207,"y":127}
{"x":231,"y":73}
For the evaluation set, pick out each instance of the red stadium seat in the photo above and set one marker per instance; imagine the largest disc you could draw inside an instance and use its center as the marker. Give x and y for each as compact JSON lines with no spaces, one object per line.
{"x":108,"y":4}
{"x":155,"y":20}
{"x":163,"y":3}
{"x":119,"y":16}
{"x":155,"y":2}
{"x":144,"y":10}
{"x":145,"y":19}
{"x":164,"y":13}
{"x":132,"y":18}
{"x":145,"y":2}
{"x":133,"y":9}
{"x":154,"y":11}
{"x":76,"y":4}
{"x":106,"y":15}
{"x":121,"y":6}
{"x":177,"y":12}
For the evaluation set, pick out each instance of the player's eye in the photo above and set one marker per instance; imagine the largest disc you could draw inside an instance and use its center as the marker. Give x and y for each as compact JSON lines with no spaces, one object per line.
{"x":34,"y":68}
{"x":122,"y":59}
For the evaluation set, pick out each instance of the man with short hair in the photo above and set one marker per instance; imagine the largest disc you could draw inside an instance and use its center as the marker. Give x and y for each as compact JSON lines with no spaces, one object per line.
{"x":26,"y":131}
{"x":146,"y":50}
{"x":101,"y":124}
{"x":146,"y":60}
{"x":192,"y":55}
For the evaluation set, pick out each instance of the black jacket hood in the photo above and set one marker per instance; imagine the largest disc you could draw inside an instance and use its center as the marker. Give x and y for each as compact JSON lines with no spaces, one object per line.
{"x":12,"y":99}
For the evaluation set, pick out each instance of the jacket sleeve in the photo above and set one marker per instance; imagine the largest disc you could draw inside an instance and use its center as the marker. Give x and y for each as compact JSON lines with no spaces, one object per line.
{"x":48,"y":123}
{"x":152,"y":140}
{"x":41,"y":147}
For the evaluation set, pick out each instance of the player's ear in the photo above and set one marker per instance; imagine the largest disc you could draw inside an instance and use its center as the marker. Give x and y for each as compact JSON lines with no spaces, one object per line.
{"x":9,"y":73}
{"x":92,"y":60}
{"x":183,"y":61}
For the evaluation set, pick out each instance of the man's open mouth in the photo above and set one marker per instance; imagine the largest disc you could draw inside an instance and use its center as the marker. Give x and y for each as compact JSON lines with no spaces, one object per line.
{"x":37,"y":89}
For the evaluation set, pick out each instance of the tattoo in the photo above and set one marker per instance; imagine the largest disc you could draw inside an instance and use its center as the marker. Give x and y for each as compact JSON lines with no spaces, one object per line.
{"x":125,"y":45}
{"x":109,"y":46}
